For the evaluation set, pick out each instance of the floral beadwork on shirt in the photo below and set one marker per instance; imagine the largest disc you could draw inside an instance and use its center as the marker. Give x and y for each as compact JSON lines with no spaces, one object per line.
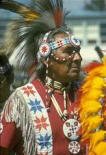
{"x":41,"y":123}
{"x":40,"y":119}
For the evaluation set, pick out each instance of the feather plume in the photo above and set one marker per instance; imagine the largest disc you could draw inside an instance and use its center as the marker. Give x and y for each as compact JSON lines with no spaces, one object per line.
{"x":90,"y":66}
{"x":54,"y":9}
{"x":99,"y":149}
{"x":90,"y":124}
{"x":19,"y":8}
{"x":104,"y":59}
{"x":92,"y":108}
{"x":22,"y":47}
{"x":96,"y":138}
{"x":23,"y":36}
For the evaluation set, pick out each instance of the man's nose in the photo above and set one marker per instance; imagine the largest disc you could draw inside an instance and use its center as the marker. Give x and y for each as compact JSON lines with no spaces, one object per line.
{"x":77,"y":56}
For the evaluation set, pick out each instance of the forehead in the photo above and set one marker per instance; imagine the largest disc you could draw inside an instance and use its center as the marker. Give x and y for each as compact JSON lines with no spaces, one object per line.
{"x":60,"y":36}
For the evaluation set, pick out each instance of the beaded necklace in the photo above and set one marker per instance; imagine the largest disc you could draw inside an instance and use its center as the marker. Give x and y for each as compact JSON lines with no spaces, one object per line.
{"x":70,"y":125}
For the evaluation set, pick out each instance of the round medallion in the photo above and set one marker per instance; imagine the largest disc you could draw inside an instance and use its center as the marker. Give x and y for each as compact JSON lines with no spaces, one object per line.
{"x":44,"y":49}
{"x":74,"y":147}
{"x":1,"y":128}
{"x":70,"y":129}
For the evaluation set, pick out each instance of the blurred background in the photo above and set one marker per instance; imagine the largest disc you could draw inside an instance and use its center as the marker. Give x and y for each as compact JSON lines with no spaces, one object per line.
{"x":86,"y":18}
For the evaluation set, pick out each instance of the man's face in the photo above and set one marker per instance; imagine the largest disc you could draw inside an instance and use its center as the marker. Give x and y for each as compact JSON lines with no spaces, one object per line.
{"x":64,"y":71}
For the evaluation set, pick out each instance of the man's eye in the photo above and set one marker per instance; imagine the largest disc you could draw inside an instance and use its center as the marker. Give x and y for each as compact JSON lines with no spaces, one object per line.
{"x":69,"y":50}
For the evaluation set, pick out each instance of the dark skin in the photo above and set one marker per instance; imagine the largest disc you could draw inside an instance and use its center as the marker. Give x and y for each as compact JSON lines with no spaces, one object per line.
{"x":64,"y":72}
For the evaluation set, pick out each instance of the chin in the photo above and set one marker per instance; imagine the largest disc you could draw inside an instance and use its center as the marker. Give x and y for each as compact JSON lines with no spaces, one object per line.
{"x":74,"y":76}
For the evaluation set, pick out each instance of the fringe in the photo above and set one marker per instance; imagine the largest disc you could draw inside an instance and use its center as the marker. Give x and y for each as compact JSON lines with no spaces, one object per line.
{"x":16,"y":110}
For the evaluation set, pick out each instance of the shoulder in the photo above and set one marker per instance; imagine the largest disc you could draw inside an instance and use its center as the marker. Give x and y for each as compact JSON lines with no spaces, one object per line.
{"x":17,"y":102}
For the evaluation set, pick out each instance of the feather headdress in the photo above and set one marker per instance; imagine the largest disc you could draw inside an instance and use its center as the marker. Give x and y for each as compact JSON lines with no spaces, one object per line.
{"x":22,"y":35}
{"x":92,"y":105}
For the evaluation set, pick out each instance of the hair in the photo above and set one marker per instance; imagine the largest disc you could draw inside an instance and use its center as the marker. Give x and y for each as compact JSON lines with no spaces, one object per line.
{"x":8,"y":72}
{"x":59,"y":30}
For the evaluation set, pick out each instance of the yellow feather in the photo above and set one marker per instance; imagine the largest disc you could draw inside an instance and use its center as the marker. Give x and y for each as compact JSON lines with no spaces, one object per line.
{"x":91,"y":153}
{"x":27,"y":12}
{"x":96,"y":86}
{"x":89,"y":108}
{"x":90,"y":124}
{"x":98,"y":83}
{"x":96,"y":138}
{"x":99,"y":149}
{"x":98,"y":71}
{"x":104,"y":60}
{"x":92,"y":92}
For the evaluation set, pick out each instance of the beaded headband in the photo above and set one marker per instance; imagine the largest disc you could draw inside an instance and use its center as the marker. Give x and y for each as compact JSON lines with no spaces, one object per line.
{"x":46,"y":48}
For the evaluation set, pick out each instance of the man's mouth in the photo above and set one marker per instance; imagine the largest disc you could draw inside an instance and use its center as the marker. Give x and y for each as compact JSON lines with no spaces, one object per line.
{"x":75,"y":67}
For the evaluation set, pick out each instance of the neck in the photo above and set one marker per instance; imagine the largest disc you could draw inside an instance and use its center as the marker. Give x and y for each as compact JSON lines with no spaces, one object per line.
{"x":56,"y":85}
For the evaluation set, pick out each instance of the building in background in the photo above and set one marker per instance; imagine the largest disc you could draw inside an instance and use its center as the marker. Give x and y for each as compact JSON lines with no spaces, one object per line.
{"x":89,"y":23}
{"x":87,"y":18}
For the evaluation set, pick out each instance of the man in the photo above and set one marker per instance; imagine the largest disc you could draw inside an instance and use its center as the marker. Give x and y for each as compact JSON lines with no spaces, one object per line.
{"x":41,"y":117}
{"x":6,"y":79}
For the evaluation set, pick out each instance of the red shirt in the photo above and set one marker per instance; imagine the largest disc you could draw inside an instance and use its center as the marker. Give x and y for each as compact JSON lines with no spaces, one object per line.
{"x":11,"y":136}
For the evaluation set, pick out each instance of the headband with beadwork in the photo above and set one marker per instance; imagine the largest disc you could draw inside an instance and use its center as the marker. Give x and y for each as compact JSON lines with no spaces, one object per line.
{"x":46,"y":48}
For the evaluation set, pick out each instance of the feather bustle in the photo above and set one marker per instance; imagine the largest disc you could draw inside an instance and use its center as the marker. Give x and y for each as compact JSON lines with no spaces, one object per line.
{"x":92,"y":108}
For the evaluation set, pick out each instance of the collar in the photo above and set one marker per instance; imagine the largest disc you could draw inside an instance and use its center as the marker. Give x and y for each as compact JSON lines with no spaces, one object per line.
{"x":55,"y":85}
